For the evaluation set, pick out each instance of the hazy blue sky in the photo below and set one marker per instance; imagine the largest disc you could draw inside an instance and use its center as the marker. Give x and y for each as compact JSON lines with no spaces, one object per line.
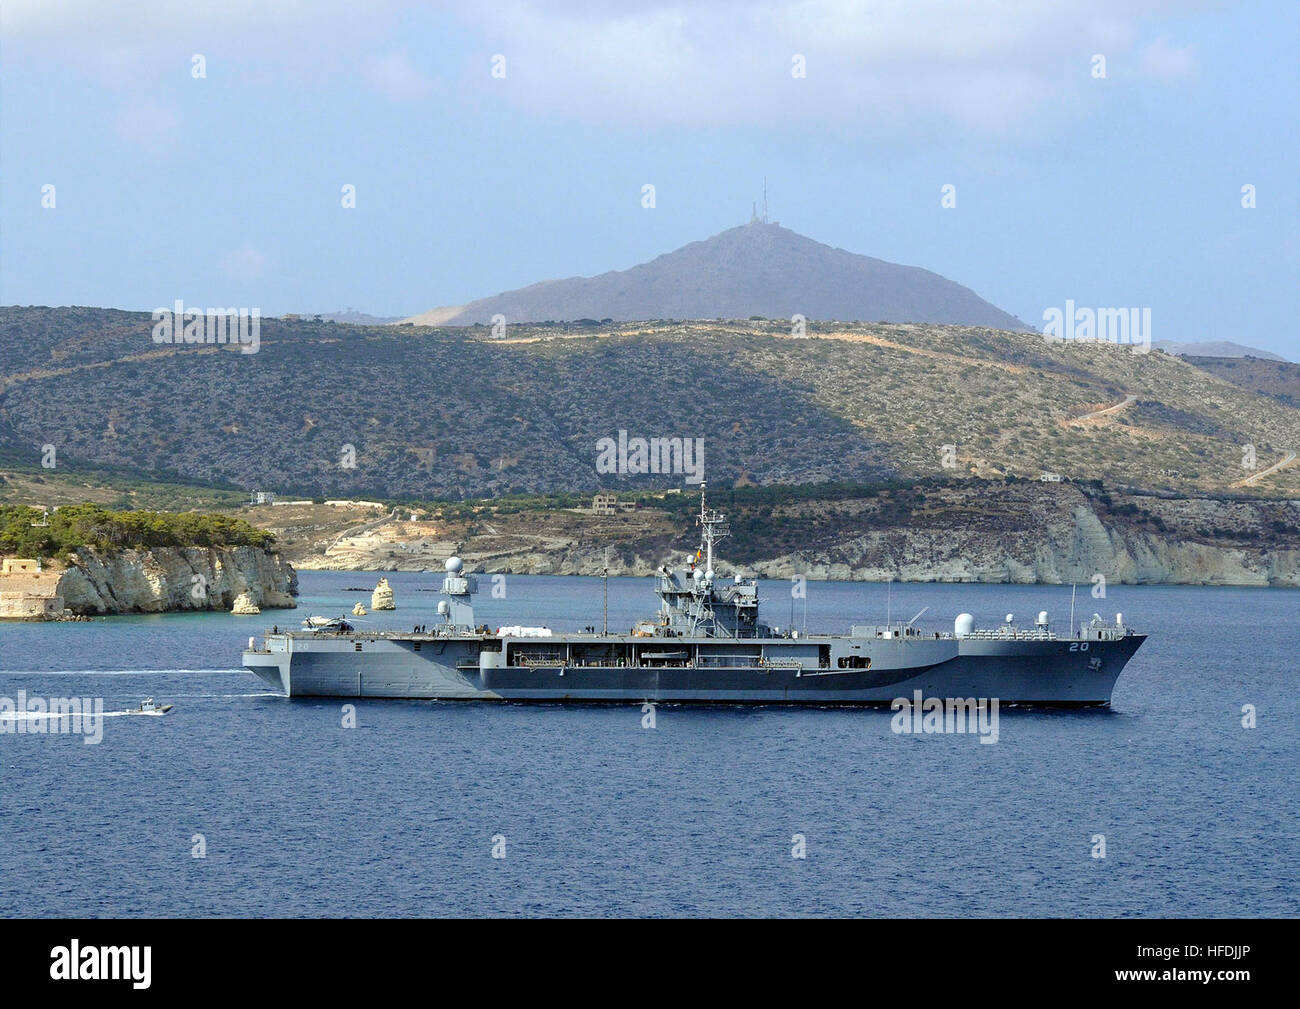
{"x":225,"y":190}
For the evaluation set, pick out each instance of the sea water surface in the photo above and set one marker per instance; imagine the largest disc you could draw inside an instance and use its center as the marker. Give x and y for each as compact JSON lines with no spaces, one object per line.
{"x":295,"y":814}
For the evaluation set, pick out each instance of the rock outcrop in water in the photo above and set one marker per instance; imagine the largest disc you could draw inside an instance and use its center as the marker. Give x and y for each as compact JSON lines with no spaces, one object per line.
{"x":244,"y":606}
{"x":166,"y":579}
{"x":382,"y":597}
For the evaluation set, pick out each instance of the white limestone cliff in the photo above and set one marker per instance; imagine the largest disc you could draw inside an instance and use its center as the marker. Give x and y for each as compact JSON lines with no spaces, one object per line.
{"x":165,"y":579}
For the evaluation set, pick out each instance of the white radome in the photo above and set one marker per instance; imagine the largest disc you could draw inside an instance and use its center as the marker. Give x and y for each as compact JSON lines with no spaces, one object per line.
{"x":963,"y":625}
{"x":454,"y":564}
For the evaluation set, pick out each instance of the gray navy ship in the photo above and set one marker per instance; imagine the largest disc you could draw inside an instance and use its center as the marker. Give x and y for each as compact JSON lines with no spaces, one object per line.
{"x":706,"y":644}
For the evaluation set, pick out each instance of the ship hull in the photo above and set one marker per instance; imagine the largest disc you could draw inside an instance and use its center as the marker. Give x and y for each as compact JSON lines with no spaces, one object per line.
{"x":1056,"y":672}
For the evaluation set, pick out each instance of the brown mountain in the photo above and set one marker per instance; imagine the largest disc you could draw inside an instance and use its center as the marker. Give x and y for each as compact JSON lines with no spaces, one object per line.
{"x":757,"y":269}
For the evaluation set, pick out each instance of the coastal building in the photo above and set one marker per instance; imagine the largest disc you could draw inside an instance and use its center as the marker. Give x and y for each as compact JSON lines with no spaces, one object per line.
{"x":609,"y":504}
{"x":28,"y":591}
{"x":1047,"y":477}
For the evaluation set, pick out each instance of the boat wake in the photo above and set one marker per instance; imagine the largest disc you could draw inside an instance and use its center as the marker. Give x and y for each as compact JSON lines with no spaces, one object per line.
{"x":36,"y":716}
{"x":120,"y":672}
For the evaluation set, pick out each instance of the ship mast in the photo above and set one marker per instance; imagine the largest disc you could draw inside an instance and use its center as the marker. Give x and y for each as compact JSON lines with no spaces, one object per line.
{"x":713,"y":527}
{"x":604,"y":575}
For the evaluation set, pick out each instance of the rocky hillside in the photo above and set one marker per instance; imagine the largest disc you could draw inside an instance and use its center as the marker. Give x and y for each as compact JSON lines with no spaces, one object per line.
{"x":408,"y":413}
{"x":758,"y":269}
{"x":1053,"y":534}
{"x":967,"y":531}
{"x":1275,"y":378}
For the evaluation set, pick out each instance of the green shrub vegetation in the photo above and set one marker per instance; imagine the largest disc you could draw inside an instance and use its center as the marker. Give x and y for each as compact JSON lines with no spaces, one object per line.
{"x":87,"y":525}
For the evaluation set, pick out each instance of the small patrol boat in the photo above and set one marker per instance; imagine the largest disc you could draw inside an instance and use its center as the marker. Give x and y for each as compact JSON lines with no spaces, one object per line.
{"x":148,"y":707}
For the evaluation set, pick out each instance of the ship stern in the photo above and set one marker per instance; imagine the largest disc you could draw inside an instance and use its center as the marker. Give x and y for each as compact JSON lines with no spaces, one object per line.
{"x":270,"y":663}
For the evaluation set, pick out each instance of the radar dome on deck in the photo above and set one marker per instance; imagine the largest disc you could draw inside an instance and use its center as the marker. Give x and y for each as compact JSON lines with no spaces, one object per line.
{"x":443,"y":608}
{"x":1042,"y":618}
{"x":454,"y":564}
{"x":963,"y":625}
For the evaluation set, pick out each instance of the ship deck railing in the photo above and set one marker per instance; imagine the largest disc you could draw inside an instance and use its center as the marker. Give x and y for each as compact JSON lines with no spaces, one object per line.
{"x":1106,"y":633}
{"x":1002,"y":634}
{"x":622,"y":662}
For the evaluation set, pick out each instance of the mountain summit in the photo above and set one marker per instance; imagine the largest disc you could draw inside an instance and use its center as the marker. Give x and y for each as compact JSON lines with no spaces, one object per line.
{"x":756,"y":269}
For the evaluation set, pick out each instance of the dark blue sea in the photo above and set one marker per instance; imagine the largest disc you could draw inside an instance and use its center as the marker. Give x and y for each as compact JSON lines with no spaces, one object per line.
{"x":396,"y":817}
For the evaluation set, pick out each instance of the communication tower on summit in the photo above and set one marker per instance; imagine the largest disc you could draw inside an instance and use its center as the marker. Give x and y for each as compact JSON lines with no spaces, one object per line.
{"x":753,"y":216}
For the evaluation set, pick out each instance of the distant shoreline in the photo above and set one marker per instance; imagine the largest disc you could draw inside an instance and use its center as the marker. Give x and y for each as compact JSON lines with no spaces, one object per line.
{"x":727,"y":571}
